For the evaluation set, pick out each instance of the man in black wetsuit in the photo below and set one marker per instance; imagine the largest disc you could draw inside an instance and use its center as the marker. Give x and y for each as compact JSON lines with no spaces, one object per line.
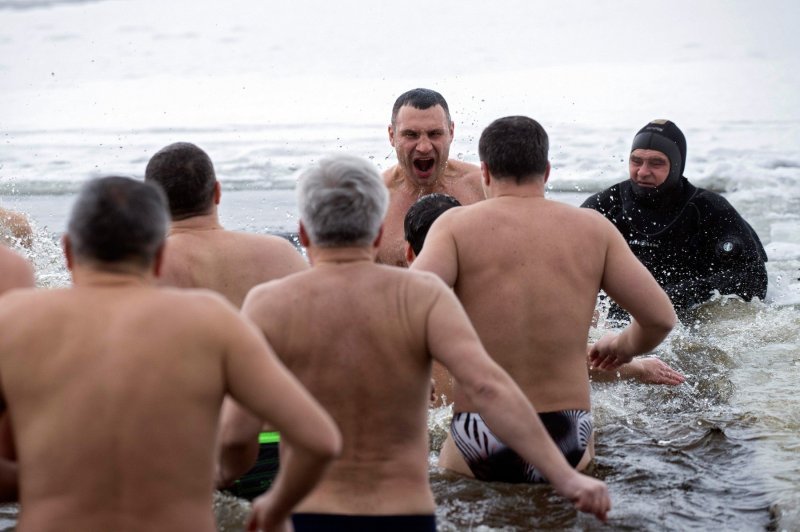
{"x":691,"y":239}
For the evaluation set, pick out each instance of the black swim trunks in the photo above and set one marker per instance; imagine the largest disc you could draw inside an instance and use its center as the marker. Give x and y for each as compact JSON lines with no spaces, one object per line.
{"x":363,"y":523}
{"x":490,"y":459}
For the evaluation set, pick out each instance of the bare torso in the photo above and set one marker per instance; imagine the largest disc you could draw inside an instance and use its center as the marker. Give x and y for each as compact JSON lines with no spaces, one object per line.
{"x":360,"y":348}
{"x":112,"y":430}
{"x":114,"y":390}
{"x":227,"y":262}
{"x":527,"y":271}
{"x":460,"y":180}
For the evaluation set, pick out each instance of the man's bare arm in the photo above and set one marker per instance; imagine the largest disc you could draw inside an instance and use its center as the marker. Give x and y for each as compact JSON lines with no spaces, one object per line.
{"x":454,"y":342}
{"x":634,"y":289}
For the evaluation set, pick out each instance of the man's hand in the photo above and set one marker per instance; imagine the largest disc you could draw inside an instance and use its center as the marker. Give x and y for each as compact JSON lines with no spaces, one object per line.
{"x":608,"y":354}
{"x":652,"y":370}
{"x":647,"y":370}
{"x":587,"y":494}
{"x":263,"y":519}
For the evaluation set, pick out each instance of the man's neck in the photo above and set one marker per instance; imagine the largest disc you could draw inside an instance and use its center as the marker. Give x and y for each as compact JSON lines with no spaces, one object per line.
{"x":499,"y":188}
{"x":319,"y":256}
{"x":85,"y":275}
{"x":202,"y":222}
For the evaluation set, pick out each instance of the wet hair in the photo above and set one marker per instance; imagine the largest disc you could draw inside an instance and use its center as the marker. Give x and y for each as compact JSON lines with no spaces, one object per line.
{"x":420,"y":99}
{"x":514,"y":147}
{"x":118,"y":220}
{"x":342,"y":201}
{"x":421,"y":216}
{"x":186,"y":174}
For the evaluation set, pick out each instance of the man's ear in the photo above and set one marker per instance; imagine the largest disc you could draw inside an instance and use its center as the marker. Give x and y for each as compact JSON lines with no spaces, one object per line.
{"x":391,"y":135}
{"x":66,"y":245}
{"x":485,"y":175}
{"x":547,"y":172}
{"x":217,"y":193}
{"x":158,"y":260}
{"x":410,"y":255}
{"x":377,"y":242}
{"x":304,"y":240}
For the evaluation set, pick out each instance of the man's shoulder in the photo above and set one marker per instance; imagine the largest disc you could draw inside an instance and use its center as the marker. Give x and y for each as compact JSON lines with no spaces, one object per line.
{"x":235,"y":245}
{"x":464,"y":169}
{"x":392,"y":177}
{"x":264,"y":242}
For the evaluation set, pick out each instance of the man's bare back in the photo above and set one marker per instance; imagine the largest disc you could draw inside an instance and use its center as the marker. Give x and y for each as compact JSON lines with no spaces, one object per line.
{"x":529,"y":270}
{"x":227,"y":262}
{"x":334,"y":353}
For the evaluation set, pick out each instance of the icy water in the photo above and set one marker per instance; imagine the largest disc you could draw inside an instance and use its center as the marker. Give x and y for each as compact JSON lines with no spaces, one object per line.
{"x":95,"y":88}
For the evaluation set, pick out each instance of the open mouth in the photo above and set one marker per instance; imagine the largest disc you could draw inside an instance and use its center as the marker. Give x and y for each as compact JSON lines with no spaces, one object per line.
{"x":423,"y":165}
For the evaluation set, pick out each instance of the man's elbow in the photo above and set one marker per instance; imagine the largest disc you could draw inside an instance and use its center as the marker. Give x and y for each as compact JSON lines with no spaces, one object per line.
{"x":482,"y":387}
{"x":663,"y":324}
{"x":329,"y":446}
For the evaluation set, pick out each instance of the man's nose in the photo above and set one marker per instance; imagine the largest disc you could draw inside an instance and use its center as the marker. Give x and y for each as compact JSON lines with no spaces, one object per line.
{"x":424,"y":144}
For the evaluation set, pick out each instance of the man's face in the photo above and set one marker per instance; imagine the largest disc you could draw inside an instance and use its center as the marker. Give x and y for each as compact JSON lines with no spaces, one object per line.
{"x":422,"y":138}
{"x":648,"y":168}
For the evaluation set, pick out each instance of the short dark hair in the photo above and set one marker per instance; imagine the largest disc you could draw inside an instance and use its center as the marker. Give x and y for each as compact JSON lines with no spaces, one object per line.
{"x":118,"y":220}
{"x":420,"y":99}
{"x":514,"y":147}
{"x":422,"y":214}
{"x":186,"y":174}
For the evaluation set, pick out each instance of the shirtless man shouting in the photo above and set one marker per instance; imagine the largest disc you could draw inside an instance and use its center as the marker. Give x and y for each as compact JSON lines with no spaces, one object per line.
{"x":421,"y":132}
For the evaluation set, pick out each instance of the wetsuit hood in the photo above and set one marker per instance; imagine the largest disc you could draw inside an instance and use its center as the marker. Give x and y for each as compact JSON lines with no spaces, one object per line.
{"x":666,"y":137}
